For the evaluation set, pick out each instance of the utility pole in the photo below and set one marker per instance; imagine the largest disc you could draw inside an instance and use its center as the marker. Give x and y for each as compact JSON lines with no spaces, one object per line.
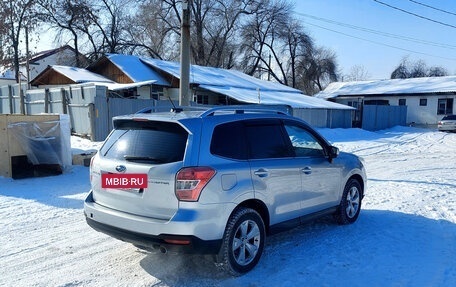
{"x":27,"y":57}
{"x":21,"y":95}
{"x":184,"y":97}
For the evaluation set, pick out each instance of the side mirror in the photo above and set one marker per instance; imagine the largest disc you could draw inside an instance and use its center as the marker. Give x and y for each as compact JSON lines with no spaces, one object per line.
{"x":333,"y":153}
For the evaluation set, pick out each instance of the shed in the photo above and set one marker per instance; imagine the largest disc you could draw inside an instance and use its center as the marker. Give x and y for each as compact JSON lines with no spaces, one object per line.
{"x":65,"y":75}
{"x":129,"y":69}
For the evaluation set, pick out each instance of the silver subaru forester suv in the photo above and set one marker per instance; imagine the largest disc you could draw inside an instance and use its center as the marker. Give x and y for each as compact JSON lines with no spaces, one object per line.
{"x":218,"y":181}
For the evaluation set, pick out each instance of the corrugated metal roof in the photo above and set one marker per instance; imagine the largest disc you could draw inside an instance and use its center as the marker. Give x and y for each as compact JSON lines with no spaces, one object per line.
{"x":243,"y":87}
{"x":274,"y":97}
{"x":389,"y":87}
{"x":78,"y":75}
{"x":117,"y":86}
{"x":218,"y":77}
{"x":134,"y":68}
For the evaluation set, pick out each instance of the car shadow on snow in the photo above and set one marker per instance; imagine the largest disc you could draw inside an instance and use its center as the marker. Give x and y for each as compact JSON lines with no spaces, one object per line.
{"x":64,"y":191}
{"x":383,"y":248}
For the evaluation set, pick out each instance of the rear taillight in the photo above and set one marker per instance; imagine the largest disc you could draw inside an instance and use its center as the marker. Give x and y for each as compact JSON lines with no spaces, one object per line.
{"x":190,"y":182}
{"x":90,"y":168}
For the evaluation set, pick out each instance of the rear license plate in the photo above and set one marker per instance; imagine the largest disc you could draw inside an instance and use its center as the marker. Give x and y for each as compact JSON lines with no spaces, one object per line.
{"x":124,"y":181}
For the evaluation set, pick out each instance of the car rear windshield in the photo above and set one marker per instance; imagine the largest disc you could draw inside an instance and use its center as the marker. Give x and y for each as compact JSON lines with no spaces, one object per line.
{"x":146,"y":142}
{"x":449,"y":118}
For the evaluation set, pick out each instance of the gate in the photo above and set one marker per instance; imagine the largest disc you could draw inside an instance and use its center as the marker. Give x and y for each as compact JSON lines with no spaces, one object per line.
{"x":383,"y":117}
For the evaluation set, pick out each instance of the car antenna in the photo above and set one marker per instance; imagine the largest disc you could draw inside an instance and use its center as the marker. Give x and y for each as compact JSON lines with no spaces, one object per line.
{"x":174,"y":109}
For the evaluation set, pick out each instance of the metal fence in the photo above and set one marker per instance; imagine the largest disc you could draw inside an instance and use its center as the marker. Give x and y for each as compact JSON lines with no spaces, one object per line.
{"x":325,"y":118}
{"x":89,"y":106}
{"x":91,"y":109}
{"x":378,"y":117}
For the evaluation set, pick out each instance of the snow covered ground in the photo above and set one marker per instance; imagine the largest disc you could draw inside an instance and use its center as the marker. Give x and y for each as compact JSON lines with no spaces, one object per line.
{"x":405,"y":235}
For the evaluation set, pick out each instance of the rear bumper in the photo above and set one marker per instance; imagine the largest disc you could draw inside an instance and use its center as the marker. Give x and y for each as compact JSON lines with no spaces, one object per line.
{"x":151,"y":242}
{"x":446,"y":128}
{"x":191,"y":230}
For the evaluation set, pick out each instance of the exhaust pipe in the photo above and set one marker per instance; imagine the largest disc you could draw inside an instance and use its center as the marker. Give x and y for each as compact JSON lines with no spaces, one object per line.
{"x":163,"y":250}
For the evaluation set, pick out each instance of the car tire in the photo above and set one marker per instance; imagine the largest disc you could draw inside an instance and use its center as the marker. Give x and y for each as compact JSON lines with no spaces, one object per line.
{"x":243,"y":242}
{"x":350,"y":204}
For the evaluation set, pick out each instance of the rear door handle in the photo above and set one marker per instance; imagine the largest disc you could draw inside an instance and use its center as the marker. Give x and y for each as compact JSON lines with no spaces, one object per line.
{"x":261,"y":172}
{"x":307,"y":170}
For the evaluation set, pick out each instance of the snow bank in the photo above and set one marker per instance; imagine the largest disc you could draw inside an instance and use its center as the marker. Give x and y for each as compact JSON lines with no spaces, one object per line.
{"x":405,"y":236}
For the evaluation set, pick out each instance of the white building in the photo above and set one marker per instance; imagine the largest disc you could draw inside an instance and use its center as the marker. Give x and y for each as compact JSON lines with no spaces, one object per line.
{"x":65,"y":56}
{"x":427,"y":99}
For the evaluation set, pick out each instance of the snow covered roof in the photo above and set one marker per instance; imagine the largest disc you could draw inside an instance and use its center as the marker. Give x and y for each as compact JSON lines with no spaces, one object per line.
{"x":77,"y":75}
{"x":243,"y":87}
{"x":135,"y":69}
{"x":43,"y":54}
{"x":295,"y":100}
{"x":217,"y":77}
{"x":396,"y":86}
{"x":7,"y":75}
{"x":116,"y":86}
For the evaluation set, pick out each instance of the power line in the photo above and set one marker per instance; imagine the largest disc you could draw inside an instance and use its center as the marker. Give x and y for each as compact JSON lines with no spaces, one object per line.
{"x":382,"y":44}
{"x":414,"y":14}
{"x":431,"y":7}
{"x":385,"y":34}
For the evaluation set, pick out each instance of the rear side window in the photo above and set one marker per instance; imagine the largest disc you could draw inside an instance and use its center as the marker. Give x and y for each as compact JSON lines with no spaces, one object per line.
{"x":228,"y":140}
{"x":146,"y":142}
{"x":267,"y":140}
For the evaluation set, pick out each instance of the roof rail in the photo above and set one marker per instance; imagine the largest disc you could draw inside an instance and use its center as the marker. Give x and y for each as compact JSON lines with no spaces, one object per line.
{"x":240,"y":109}
{"x":177,"y":109}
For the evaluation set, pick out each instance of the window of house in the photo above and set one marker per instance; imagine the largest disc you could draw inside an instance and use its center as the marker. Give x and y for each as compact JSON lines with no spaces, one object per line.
{"x":377,"y":102}
{"x":202,"y":99}
{"x":402,"y":102}
{"x":423,"y":102}
{"x":445,"y":106}
{"x":156,"y":92}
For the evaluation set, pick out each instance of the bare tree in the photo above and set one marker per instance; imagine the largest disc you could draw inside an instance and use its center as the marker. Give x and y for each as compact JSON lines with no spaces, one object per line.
{"x":318,"y":69}
{"x":357,"y":73}
{"x":296,"y":45}
{"x":401,"y":71}
{"x":418,"y":69}
{"x":259,"y":38}
{"x":408,"y":69}
{"x":275,"y":43}
{"x":217,"y":24}
{"x":106,"y":30}
{"x":98,"y":26}
{"x":157,"y":32}
{"x":214,"y":23}
{"x":437,"y":72}
{"x":17,"y":17}
{"x":3,"y":32}
{"x":66,"y":16}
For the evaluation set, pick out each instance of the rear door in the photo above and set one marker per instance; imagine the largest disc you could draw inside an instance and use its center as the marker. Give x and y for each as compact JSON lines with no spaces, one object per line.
{"x":275,"y":174}
{"x":153,"y":148}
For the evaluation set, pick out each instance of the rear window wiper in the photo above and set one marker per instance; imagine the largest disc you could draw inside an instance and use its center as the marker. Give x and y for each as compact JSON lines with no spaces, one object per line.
{"x":142,"y":158}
